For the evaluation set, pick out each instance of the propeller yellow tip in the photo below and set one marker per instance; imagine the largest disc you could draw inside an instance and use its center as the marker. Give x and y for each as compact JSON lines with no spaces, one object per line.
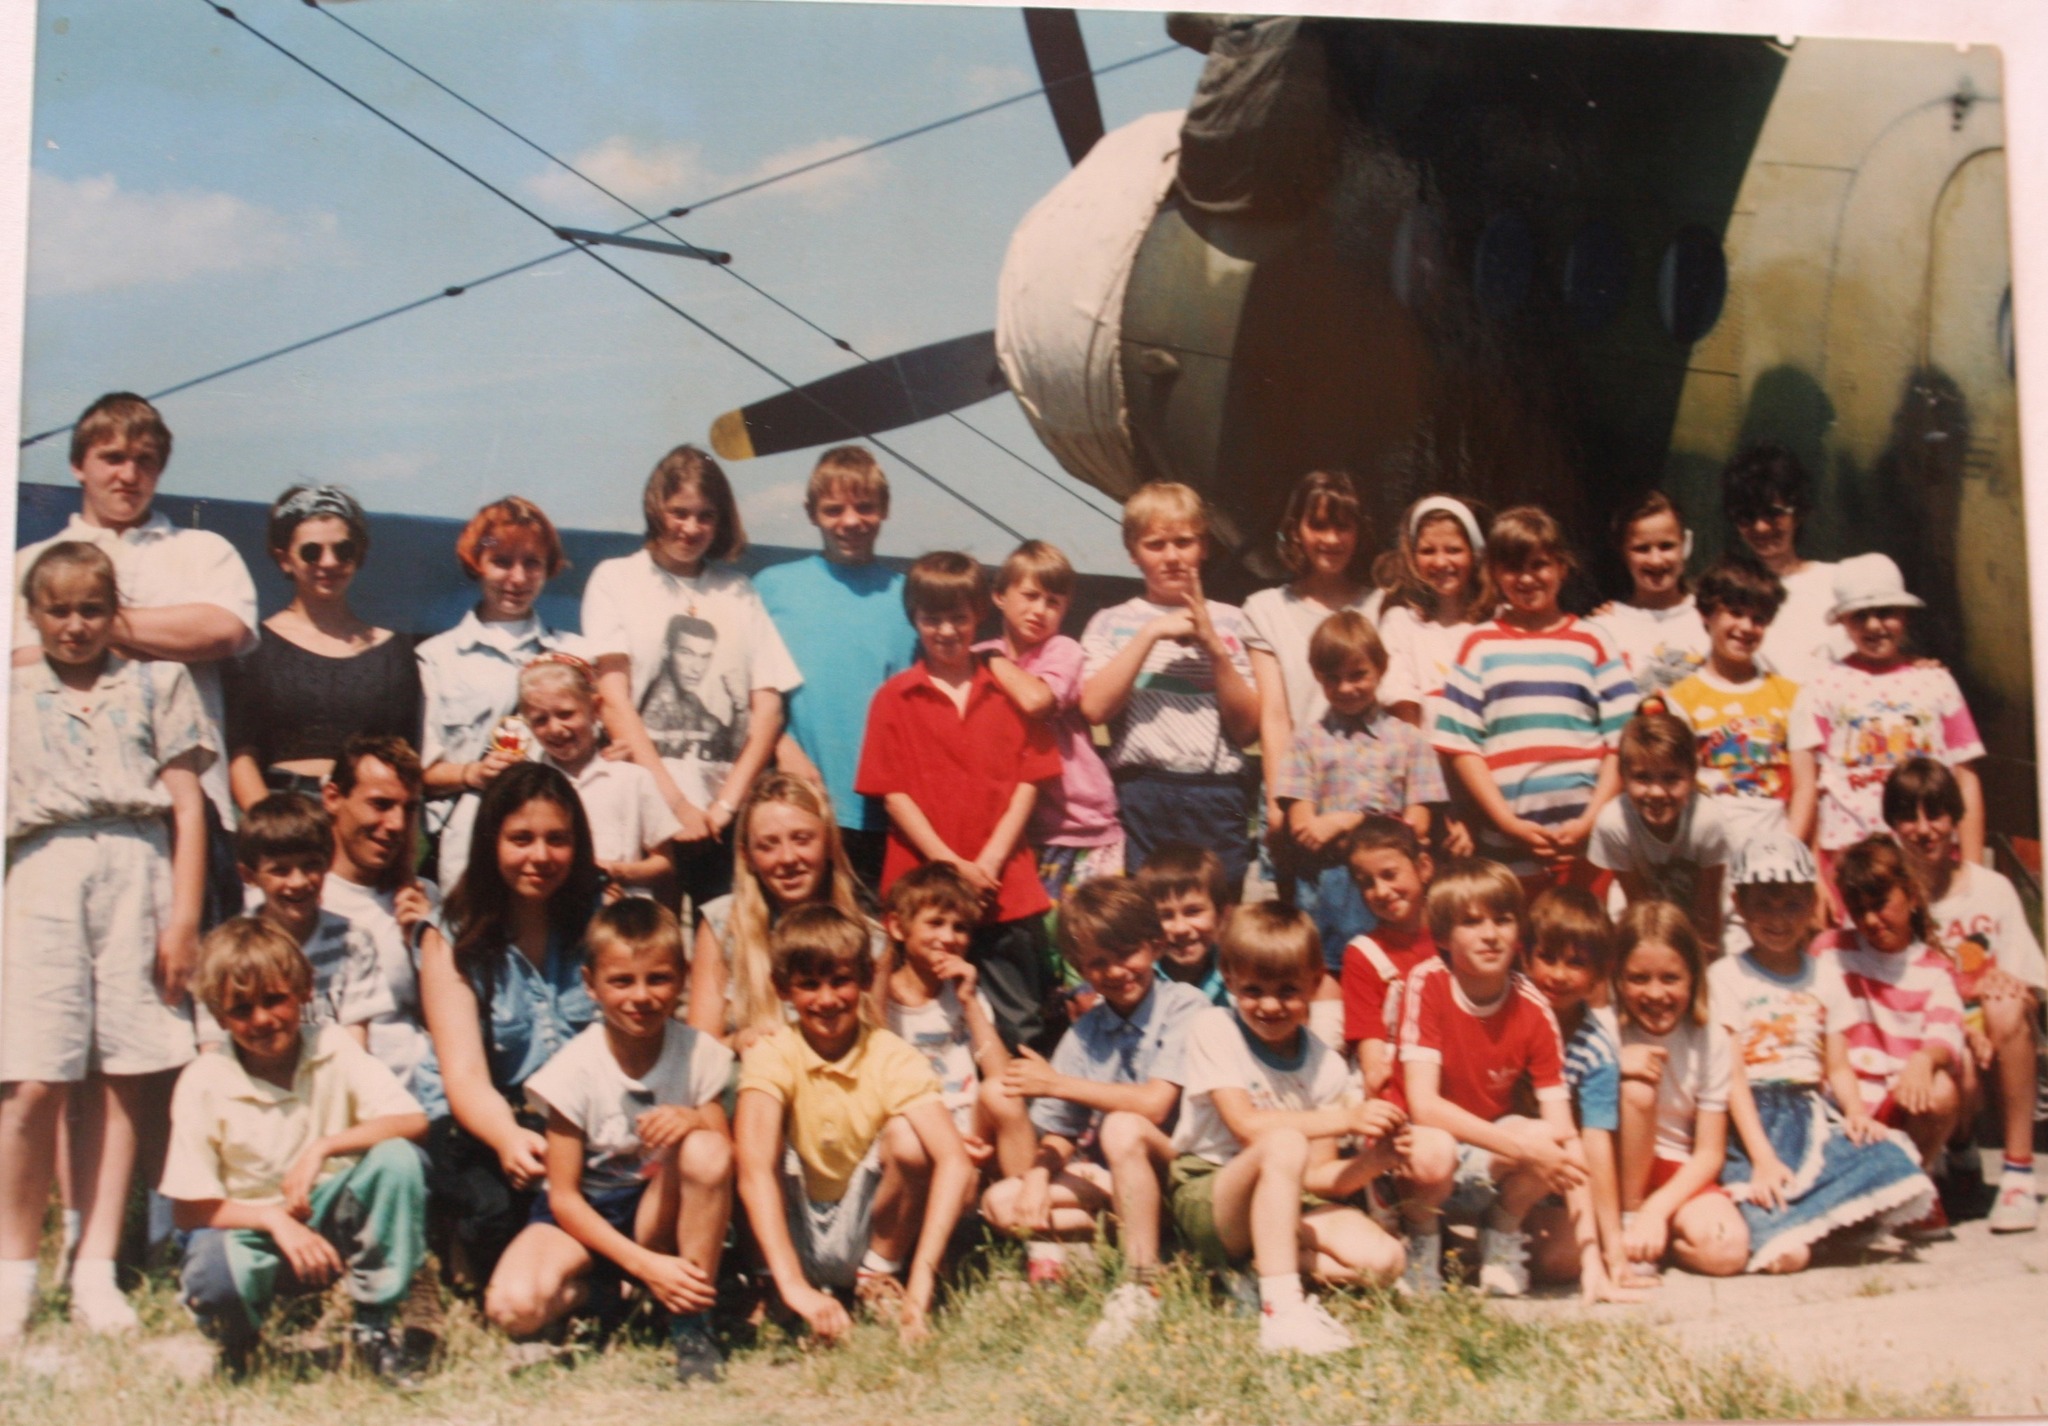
{"x":730,"y":438}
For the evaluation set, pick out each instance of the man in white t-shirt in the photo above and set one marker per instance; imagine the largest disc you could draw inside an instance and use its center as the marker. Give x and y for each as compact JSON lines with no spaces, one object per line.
{"x":1767,"y":493}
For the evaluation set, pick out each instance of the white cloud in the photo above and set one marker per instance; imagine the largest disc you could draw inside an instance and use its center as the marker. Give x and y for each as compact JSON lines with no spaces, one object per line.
{"x":92,"y":235}
{"x":986,"y":83}
{"x":775,"y":514}
{"x":664,"y":175}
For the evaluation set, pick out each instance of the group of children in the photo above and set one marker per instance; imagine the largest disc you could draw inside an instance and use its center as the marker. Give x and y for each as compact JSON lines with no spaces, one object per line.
{"x":1738,"y":901}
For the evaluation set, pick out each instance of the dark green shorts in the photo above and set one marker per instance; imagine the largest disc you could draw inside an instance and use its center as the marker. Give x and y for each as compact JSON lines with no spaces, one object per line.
{"x":1191,"y":1199}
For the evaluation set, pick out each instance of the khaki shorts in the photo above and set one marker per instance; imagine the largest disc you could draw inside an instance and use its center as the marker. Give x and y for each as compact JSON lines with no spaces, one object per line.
{"x":1191,"y":1199}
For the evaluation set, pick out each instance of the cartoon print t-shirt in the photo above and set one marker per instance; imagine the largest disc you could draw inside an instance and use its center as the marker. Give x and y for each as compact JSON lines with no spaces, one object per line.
{"x":1777,"y":1022}
{"x":1744,"y":732}
{"x":1864,"y":720}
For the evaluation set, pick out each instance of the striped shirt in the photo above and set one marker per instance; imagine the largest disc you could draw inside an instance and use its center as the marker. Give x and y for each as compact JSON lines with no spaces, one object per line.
{"x":1171,"y":722}
{"x":1903,"y":1000}
{"x":1592,"y":1068}
{"x":1544,"y":709}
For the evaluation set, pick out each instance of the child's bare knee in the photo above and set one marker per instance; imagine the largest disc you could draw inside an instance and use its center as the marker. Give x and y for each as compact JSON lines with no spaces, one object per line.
{"x":902,"y":1148}
{"x":2007,"y":1022}
{"x":705,"y":1159}
{"x":1123,"y":1135}
{"x":1284,"y":1149}
{"x":1381,"y":1259}
{"x":999,"y":1205}
{"x":516,"y":1309}
{"x":1432,"y":1158}
{"x":1945,"y":1099}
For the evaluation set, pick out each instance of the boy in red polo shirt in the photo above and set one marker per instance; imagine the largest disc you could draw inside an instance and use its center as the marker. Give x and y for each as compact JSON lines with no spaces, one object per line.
{"x":957,"y":767}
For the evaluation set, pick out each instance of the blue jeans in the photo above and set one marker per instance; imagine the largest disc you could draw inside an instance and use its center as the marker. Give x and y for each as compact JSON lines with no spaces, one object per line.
{"x":1332,"y":901}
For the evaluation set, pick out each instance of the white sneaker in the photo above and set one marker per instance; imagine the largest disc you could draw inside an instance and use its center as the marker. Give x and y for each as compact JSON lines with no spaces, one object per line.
{"x":1424,"y":1275}
{"x":1307,"y":1329}
{"x":1130,"y":1307}
{"x":2018,"y":1209}
{"x":101,"y":1310}
{"x":1503,"y":1262}
{"x":17,"y":1305}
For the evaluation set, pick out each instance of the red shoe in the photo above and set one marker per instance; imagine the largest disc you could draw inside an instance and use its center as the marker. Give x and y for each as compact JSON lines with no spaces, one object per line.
{"x":1931,"y":1229}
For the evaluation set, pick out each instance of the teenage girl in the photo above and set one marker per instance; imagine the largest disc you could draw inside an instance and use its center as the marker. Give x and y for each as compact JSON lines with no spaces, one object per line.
{"x":1674,"y":1100}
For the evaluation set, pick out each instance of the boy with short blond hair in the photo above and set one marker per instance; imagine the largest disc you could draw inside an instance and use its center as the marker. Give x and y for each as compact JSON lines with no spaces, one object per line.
{"x":1472,"y":1028}
{"x":1074,"y":830}
{"x":283,"y":849}
{"x":847,"y":1159}
{"x":1101,"y":1105}
{"x":1354,"y":761}
{"x":957,"y":768}
{"x":288,"y":1159}
{"x":933,"y":1000}
{"x":840,"y":612}
{"x":1169,"y":675}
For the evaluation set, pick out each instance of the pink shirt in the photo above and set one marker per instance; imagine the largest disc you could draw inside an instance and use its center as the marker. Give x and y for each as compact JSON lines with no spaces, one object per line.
{"x":1863,"y":720}
{"x":1080,"y":809}
{"x":1903,"y":1001}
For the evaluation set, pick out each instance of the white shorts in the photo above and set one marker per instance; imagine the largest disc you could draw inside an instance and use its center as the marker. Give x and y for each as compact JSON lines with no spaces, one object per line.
{"x":78,"y":969}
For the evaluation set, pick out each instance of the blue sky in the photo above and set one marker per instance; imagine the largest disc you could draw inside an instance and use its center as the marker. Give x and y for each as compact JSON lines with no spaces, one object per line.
{"x":196,"y":199}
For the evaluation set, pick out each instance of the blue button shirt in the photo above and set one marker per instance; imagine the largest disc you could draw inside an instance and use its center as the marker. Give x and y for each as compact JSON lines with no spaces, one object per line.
{"x":530,"y":1012}
{"x":1105,"y":1047}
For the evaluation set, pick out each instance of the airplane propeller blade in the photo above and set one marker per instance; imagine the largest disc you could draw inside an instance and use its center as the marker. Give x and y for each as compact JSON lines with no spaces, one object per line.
{"x":1069,"y":85}
{"x":877,"y":396}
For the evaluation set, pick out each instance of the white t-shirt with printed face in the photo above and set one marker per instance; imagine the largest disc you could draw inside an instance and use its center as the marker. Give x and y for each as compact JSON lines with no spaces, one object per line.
{"x":937,"y":1030}
{"x":584,"y":1084}
{"x":1981,"y":921}
{"x":1219,"y":1054}
{"x":699,"y":649}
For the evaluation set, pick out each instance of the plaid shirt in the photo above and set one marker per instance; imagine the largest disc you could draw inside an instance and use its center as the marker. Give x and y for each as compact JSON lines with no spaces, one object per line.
{"x":1373,"y":762}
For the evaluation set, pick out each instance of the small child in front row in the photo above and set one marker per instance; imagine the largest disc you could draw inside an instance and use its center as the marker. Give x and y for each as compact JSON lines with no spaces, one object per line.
{"x":1570,"y":957}
{"x":106,"y":872}
{"x":1661,"y":837}
{"x":934,"y":1003}
{"x":1674,"y":1099}
{"x":1074,"y":831}
{"x":283,"y":849}
{"x":1267,"y":1103}
{"x":1907,"y":1043}
{"x":288,"y":1162}
{"x":1472,"y":1029}
{"x":631,"y":824}
{"x":1799,"y":1167}
{"x":1102,"y":1104}
{"x":639,"y":1157}
{"x":1354,"y":761}
{"x":1187,"y":885}
{"x":848,"y":1162}
{"x":1392,"y":872}
{"x":1979,"y":922}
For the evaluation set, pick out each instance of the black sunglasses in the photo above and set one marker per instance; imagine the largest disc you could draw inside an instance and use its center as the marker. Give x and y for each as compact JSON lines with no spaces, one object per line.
{"x":344,"y":551}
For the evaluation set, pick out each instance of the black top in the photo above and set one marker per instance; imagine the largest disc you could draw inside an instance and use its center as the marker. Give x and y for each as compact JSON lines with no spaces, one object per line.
{"x":289,"y":703}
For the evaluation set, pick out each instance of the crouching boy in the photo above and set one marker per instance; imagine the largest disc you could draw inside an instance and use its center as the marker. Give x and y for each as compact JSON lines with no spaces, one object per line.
{"x":1102,"y":1103}
{"x":1472,"y":1029}
{"x":288,"y":1156}
{"x":848,"y":1160}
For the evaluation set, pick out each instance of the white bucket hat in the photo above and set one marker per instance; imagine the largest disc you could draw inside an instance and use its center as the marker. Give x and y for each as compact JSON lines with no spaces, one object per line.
{"x":1871,"y":582}
{"x":1775,"y":858}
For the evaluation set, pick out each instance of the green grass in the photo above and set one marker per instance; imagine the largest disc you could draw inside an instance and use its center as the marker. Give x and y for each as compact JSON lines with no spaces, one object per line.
{"x":1000,"y":1354}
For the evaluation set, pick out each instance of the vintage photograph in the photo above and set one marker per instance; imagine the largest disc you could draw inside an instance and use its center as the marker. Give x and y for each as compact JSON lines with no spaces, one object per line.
{"x":961,"y":713}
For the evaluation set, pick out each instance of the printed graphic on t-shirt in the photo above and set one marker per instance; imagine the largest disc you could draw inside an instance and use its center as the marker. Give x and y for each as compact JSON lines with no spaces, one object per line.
{"x":685,"y":717}
{"x":1883,"y":733}
{"x":1744,"y":756}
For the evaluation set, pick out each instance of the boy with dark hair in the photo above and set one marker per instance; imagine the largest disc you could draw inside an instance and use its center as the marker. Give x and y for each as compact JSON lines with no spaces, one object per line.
{"x":1978,"y":920}
{"x":1660,"y":837}
{"x":957,"y":766}
{"x":1102,"y":1104}
{"x":840,"y":612}
{"x":288,"y":1161}
{"x":847,"y":1159}
{"x":283,"y":849}
{"x":1741,"y":714}
{"x":1189,"y":890}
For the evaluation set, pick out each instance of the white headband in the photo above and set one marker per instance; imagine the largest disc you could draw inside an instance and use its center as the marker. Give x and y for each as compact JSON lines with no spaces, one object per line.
{"x":1456,"y":509}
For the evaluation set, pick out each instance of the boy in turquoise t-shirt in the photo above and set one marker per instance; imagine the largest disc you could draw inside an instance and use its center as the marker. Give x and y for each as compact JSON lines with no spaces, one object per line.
{"x":841,"y":614}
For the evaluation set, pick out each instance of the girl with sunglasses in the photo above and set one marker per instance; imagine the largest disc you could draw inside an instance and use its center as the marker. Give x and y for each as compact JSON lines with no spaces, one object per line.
{"x":319,"y":674}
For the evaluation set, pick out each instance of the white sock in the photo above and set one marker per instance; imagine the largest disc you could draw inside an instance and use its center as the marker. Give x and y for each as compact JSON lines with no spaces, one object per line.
{"x":1280,"y":1292}
{"x":17,"y":1278}
{"x":874,"y":1262}
{"x":94,"y":1276}
{"x":74,"y":1224}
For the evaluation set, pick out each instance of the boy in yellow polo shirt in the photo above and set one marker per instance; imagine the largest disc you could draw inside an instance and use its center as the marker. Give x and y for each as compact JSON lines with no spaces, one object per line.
{"x":288,"y":1156}
{"x":848,"y":1159}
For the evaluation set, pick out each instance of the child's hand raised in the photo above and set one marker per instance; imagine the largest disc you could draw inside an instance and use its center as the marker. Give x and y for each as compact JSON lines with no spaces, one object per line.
{"x":667,"y":1125}
{"x":677,"y":1284}
{"x":1028,"y":1076}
